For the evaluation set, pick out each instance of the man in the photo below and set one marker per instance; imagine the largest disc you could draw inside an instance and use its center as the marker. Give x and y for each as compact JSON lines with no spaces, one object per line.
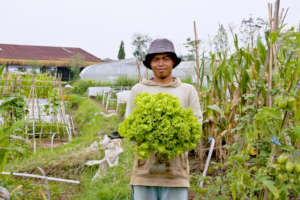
{"x":151,"y":179}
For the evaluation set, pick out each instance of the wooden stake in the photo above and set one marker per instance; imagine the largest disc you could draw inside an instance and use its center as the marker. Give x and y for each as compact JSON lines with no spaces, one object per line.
{"x":138,"y":65}
{"x":276,"y":15}
{"x":270,"y":57}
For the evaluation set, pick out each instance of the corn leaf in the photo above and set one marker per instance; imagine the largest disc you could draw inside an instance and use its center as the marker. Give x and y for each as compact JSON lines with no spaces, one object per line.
{"x":270,"y":185}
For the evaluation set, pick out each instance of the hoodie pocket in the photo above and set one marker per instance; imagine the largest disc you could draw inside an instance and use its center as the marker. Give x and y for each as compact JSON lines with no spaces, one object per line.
{"x":179,"y":166}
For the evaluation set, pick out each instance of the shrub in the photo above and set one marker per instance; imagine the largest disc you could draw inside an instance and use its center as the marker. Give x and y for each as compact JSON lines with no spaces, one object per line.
{"x":81,"y":86}
{"x":124,"y":80}
{"x":187,"y":79}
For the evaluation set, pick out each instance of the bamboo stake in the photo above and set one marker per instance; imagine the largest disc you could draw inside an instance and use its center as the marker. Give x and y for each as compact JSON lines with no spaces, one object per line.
{"x":274,"y":22}
{"x":197,"y":70}
{"x":269,"y":103}
{"x":270,"y":57}
{"x":197,"y":58}
{"x":33,"y":120}
{"x":276,"y":15}
{"x":138,"y":65}
{"x":282,"y":19}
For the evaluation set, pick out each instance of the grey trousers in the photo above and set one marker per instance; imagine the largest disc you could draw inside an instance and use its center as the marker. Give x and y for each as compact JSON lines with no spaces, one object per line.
{"x":159,"y":193}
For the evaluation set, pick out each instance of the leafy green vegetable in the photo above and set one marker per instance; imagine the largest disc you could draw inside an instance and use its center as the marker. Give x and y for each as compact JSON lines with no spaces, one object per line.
{"x":159,"y":125}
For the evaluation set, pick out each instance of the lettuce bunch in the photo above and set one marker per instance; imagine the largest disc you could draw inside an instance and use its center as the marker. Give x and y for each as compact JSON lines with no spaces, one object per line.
{"x":159,"y":125}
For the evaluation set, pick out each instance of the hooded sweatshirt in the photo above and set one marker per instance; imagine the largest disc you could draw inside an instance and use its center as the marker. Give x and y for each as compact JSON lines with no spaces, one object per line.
{"x":153,"y":172}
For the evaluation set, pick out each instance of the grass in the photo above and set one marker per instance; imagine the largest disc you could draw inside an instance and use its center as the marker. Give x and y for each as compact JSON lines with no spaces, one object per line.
{"x":115,"y":182}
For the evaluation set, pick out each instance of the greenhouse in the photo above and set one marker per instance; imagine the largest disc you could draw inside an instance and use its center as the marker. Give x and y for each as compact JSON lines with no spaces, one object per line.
{"x":112,"y":70}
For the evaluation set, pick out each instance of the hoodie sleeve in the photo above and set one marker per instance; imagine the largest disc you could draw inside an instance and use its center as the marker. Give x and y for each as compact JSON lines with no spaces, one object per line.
{"x":194,"y":104}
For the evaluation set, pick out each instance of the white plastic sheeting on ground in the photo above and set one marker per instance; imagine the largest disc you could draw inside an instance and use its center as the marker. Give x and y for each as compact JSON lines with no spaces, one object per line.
{"x":112,"y":147}
{"x":112,"y":70}
{"x":94,"y":91}
{"x":4,"y":194}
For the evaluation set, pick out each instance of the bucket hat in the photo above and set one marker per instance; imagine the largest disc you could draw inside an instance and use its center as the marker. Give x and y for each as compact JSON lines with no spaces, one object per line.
{"x":161,"y":46}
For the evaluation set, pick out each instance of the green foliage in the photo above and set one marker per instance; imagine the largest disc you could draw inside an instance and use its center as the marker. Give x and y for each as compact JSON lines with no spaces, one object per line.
{"x":254,"y":133}
{"x":5,"y":145}
{"x":16,"y":83}
{"x":76,"y":62}
{"x":13,"y":108}
{"x":89,"y":118}
{"x":124,"y":80}
{"x":80,"y":87}
{"x":1,"y":69}
{"x":122,"y":109}
{"x":73,"y":101}
{"x":159,"y":125}
{"x":121,"y":53}
{"x":114,"y":182}
{"x":68,"y":161}
{"x":53,"y":103}
{"x":42,"y":127}
{"x":188,"y":80}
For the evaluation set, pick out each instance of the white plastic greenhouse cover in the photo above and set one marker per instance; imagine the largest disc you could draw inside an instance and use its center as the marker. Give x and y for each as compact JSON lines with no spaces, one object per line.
{"x":112,"y":70}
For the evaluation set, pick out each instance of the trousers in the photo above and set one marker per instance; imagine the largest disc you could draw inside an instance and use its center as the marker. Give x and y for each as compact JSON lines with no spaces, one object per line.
{"x":159,"y":193}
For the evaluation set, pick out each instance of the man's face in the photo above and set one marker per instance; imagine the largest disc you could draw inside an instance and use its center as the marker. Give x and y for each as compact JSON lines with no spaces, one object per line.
{"x":162,"y":65}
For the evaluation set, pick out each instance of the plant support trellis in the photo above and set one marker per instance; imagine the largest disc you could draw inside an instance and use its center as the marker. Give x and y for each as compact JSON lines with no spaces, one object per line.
{"x":46,"y":117}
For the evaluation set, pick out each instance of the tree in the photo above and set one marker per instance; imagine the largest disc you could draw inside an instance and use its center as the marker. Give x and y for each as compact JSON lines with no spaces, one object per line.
{"x":190,"y":46}
{"x":76,"y":62}
{"x":220,"y":40}
{"x":250,"y":28}
{"x":121,"y":54}
{"x":141,"y":43}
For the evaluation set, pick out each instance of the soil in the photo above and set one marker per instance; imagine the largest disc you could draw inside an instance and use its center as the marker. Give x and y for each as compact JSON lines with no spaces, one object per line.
{"x":45,"y":143}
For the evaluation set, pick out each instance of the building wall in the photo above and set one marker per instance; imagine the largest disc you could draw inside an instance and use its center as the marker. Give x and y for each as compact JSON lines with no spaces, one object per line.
{"x":29,"y":69}
{"x":21,"y":69}
{"x":64,"y":72}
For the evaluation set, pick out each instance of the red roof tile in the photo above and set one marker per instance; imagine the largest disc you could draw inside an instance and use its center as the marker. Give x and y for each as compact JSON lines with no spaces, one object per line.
{"x":24,"y":52}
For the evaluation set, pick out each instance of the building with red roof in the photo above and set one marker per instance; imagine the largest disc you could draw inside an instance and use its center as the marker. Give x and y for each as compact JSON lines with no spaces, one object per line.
{"x":56,"y":60}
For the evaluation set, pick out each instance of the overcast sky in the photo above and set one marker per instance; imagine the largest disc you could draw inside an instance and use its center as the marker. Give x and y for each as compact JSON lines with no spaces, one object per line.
{"x":98,"y":26}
